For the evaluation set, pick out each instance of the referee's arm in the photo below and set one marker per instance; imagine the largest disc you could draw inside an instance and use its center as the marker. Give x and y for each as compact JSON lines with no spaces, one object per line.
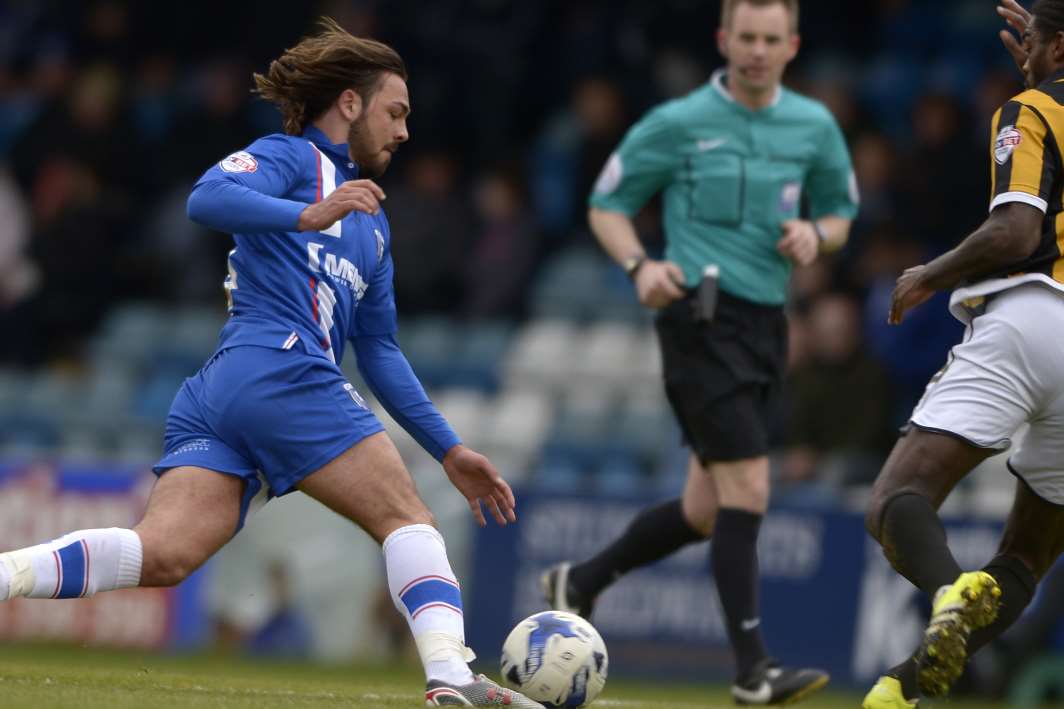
{"x":836,"y":232}
{"x":658,"y":283}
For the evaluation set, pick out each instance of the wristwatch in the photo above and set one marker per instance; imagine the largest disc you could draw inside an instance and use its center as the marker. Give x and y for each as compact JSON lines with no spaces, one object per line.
{"x":821,"y":235}
{"x":632,"y":264}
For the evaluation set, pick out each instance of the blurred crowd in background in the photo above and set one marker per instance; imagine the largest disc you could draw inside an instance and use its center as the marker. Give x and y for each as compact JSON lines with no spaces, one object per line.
{"x":110,"y":110}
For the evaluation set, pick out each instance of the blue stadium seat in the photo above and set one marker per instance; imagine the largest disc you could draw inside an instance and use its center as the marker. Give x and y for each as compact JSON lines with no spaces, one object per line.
{"x":429,"y":343}
{"x":478,"y":358}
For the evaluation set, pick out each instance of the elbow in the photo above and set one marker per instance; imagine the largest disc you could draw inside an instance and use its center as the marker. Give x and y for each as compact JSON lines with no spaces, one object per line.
{"x":1017,"y":244}
{"x":195,"y":207}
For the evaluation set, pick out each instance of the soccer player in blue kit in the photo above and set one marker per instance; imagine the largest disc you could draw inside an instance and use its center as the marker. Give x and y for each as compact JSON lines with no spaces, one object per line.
{"x":270,"y":412}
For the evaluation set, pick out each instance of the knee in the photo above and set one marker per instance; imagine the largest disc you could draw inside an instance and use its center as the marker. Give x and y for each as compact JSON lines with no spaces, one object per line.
{"x":875,"y":515}
{"x":746,"y":491}
{"x":402,"y":516}
{"x":167,"y":567}
{"x":701,"y":521}
{"x":873,"y":519}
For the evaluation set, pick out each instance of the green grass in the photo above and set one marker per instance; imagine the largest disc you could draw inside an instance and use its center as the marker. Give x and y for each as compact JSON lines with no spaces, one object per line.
{"x":68,"y":678}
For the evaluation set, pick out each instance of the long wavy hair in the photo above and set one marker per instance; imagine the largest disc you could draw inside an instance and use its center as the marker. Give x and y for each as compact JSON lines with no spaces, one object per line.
{"x":305,"y":81}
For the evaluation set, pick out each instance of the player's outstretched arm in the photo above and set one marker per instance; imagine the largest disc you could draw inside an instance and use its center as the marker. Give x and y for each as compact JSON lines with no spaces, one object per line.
{"x":478,"y":480}
{"x":1009,"y":235}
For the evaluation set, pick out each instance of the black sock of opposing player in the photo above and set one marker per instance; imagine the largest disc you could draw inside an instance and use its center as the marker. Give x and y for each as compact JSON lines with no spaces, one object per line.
{"x":906,"y":673}
{"x":914,"y":542}
{"x":1017,"y":589}
{"x":654,"y":534}
{"x":735,"y":571}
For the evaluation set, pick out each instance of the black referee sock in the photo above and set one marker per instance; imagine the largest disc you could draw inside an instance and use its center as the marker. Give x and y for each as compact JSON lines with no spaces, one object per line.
{"x":735,"y":570}
{"x":654,"y":534}
{"x":914,"y":541}
{"x":1017,"y":589}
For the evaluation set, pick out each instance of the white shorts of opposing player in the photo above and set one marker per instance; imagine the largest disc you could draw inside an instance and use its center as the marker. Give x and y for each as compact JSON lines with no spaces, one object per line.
{"x":1008,"y":371}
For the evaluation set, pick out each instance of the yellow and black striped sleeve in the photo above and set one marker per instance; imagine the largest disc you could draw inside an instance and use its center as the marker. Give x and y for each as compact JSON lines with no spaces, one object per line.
{"x":1023,"y":162}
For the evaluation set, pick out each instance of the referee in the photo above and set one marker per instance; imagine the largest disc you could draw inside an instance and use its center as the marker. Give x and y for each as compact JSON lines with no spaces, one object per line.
{"x":734,"y":161}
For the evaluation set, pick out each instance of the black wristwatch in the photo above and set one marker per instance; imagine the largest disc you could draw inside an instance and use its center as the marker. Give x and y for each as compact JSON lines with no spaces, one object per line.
{"x":633,"y":264}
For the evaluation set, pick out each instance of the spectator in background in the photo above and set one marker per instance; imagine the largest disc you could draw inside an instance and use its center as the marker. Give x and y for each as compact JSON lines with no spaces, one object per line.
{"x":944,"y":176}
{"x":87,"y":126}
{"x":912,"y":352}
{"x":500,"y":262}
{"x":569,"y":153}
{"x":18,"y":275}
{"x":431,"y":224}
{"x":214,"y":119}
{"x":874,"y":165}
{"x":839,"y":404}
{"x":286,"y":632}
{"x":79,"y":230}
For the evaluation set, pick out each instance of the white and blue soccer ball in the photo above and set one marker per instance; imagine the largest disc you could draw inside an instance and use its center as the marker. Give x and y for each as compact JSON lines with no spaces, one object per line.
{"x":555,"y":658}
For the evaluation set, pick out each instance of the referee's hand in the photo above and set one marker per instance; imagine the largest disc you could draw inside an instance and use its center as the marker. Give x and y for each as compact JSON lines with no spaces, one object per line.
{"x":799,"y":243}
{"x":659,"y":283}
{"x":351,"y":196}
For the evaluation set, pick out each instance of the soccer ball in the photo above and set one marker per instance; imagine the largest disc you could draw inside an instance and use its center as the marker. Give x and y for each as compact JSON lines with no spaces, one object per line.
{"x":555,"y":658}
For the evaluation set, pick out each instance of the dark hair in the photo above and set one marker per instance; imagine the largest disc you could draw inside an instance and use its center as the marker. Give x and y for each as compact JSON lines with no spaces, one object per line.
{"x":727,"y":9}
{"x":309,"y":77}
{"x":1048,"y":17}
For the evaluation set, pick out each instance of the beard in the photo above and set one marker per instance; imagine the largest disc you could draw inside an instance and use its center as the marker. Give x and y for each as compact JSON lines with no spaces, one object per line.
{"x":371,"y":160}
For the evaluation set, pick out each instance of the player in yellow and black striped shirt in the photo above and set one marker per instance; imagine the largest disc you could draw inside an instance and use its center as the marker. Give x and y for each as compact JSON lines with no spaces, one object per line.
{"x":1008,"y":282}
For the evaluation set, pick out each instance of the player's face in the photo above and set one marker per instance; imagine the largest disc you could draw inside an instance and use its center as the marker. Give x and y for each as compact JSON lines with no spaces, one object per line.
{"x":1043,"y":55}
{"x":380,"y":128}
{"x":758,"y":46}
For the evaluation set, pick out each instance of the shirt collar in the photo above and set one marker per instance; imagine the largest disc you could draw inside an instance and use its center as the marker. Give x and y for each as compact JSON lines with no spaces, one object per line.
{"x":717,"y":81}
{"x":337,"y":151}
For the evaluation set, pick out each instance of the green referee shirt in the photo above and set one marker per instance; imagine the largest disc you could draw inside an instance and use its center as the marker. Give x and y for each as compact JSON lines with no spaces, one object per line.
{"x":730,"y":178}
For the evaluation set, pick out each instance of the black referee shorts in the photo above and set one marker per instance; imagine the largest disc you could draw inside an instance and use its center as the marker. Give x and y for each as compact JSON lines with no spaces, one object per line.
{"x":724,"y":378}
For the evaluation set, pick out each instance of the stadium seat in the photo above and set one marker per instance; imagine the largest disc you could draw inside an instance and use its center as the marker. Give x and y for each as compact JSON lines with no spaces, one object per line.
{"x":480,"y":352}
{"x":569,"y":286}
{"x":541,"y":354}
{"x":429,"y":343}
{"x":620,"y":473}
{"x":464,"y":409}
{"x":519,"y":420}
{"x":604,"y":354}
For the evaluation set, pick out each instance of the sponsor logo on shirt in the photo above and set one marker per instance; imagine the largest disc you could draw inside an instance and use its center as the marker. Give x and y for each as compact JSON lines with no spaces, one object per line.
{"x":1007,"y":140}
{"x":704,"y":146}
{"x":789,"y":197}
{"x":240,"y":161}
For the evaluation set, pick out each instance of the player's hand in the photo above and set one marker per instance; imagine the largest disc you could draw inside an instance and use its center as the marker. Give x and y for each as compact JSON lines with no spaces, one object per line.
{"x":351,"y":196}
{"x":659,"y":283}
{"x":909,"y":292}
{"x":800,"y":242}
{"x":478,"y":480}
{"x":1018,"y":19}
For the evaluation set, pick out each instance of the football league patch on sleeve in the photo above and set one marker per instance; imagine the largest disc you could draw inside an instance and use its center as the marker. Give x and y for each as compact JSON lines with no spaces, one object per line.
{"x":240,"y":161}
{"x":610,"y":177}
{"x":1007,"y":140}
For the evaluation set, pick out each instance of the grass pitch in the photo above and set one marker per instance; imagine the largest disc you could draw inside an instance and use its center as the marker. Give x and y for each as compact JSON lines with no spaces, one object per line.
{"x":72,"y":678}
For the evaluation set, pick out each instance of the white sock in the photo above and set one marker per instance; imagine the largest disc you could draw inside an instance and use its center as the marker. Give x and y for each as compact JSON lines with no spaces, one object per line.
{"x":76,"y":565}
{"x":426,"y":592}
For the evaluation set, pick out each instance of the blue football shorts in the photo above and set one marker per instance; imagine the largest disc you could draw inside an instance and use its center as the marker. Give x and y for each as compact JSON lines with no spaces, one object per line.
{"x":269,"y":416}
